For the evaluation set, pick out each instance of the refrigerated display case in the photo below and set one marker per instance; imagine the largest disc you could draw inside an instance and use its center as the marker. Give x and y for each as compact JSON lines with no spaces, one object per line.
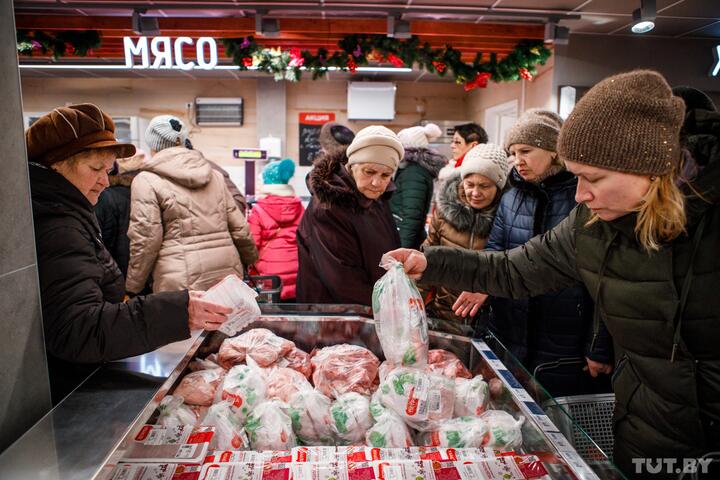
{"x":90,"y":431}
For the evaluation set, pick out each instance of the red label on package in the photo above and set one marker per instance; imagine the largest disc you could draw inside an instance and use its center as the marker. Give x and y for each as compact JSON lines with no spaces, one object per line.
{"x":143,"y":433}
{"x":531,"y":467}
{"x":301,"y":455}
{"x":199,"y":437}
{"x":412,"y":403}
{"x":450,"y":454}
{"x":236,"y":399}
{"x":276,"y":472}
{"x":449,"y":473}
{"x":365,"y":473}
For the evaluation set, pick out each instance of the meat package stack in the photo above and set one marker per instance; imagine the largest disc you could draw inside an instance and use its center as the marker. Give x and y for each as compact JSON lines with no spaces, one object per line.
{"x":265,"y":409}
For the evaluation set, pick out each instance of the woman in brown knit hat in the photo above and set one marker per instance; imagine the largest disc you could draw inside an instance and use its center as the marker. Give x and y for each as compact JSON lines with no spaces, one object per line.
{"x":71,"y":150}
{"x":646,"y":249}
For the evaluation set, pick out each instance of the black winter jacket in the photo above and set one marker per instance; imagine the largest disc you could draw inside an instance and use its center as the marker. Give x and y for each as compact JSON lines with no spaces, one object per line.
{"x":85,"y":319}
{"x":113,"y":214}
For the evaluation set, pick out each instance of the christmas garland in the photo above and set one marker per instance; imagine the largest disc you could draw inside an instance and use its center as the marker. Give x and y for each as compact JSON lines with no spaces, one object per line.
{"x":360,"y":50}
{"x":58,"y":44}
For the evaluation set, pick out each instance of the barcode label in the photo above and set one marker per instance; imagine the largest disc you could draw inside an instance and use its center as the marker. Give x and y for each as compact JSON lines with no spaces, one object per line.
{"x":186,"y":451}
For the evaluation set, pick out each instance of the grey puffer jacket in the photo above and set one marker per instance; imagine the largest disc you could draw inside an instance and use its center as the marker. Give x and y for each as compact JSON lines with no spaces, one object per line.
{"x":185,"y":227}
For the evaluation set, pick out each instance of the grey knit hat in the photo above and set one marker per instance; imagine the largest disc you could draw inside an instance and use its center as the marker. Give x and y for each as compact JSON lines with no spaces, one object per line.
{"x":628,"y":123}
{"x":536,"y":127}
{"x":489,"y":160}
{"x":165,"y":131}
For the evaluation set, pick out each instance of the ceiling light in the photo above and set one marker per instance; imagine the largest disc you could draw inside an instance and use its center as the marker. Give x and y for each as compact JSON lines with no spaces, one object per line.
{"x":644,"y":17}
{"x":556,"y":34}
{"x":144,"y":25}
{"x":397,"y":28}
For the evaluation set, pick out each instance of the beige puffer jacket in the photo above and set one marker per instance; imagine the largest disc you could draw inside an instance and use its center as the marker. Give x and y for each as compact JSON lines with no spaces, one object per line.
{"x":185,"y":227}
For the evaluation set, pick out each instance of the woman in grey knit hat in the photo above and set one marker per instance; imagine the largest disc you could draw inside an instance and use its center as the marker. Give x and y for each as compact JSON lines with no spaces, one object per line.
{"x":644,"y":241}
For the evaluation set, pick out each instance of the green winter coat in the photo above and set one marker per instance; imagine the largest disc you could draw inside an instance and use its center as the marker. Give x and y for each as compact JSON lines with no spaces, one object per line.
{"x":411,"y":201}
{"x":665,"y":407}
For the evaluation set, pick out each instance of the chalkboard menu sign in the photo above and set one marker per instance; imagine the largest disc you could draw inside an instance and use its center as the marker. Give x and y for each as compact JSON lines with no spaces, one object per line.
{"x":310,"y":125}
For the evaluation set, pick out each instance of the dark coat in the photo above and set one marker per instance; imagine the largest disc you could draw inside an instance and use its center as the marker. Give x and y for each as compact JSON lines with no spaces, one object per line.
{"x":544,"y":328}
{"x":667,"y":406}
{"x":113,"y":214}
{"x":342,"y":237}
{"x":82,"y":290}
{"x":414,"y":191}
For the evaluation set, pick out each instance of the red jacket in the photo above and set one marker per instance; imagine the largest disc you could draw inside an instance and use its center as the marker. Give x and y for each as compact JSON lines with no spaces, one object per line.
{"x":273,"y":222}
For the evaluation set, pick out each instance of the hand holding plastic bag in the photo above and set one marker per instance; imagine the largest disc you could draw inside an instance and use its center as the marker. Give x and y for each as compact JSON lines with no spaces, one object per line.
{"x":232,"y":292}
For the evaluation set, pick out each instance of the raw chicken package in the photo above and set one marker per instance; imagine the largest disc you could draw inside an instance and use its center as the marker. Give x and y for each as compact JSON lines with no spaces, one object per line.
{"x":232,"y":292}
{"x":283,"y":383}
{"x":155,"y":471}
{"x":344,"y":368}
{"x":461,"y":432}
{"x":269,"y":427}
{"x":310,"y":415}
{"x":229,"y":431}
{"x":297,"y":360}
{"x":422,"y":399}
{"x":199,"y":387}
{"x":446,"y":364}
{"x":260,"y":344}
{"x":244,"y":387}
{"x":351,"y":418}
{"x":173,"y":412}
{"x":400,"y":320}
{"x":180,"y":444}
{"x":504,"y":430}
{"x":390,"y":430}
{"x":471,"y":396}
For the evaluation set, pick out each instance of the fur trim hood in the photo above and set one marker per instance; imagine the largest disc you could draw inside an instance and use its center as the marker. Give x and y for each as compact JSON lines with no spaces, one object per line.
{"x":429,"y":159}
{"x":455,"y":209}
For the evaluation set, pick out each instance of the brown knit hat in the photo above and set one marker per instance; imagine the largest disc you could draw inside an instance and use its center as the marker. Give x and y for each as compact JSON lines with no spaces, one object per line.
{"x":67,"y":131}
{"x":628,"y":122}
{"x":536,"y":127}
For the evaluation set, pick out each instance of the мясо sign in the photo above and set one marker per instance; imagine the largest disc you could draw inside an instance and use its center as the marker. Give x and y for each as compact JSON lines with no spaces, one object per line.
{"x":165,"y":52}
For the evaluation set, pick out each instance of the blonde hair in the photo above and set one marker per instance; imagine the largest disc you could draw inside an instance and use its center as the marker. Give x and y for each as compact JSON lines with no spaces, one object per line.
{"x":661,"y":213}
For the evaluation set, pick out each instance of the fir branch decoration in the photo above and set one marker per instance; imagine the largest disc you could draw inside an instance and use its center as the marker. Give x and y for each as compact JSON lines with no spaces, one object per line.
{"x":78,"y":43}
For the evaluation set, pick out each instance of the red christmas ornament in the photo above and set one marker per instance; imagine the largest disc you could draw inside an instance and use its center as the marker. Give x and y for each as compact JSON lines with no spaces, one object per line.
{"x":395,"y":60}
{"x":247,"y":61}
{"x":481,"y":80}
{"x":525,"y":74}
{"x":439,"y":66}
{"x":352,"y":66}
{"x":69,"y":49}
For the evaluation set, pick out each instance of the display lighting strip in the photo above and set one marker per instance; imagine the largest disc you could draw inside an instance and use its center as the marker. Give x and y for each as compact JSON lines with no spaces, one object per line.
{"x":216,"y":67}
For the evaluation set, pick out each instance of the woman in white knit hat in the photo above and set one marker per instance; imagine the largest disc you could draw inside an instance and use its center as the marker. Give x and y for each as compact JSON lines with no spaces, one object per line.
{"x":414,"y":181}
{"x":465,"y":208}
{"x":348,"y":224}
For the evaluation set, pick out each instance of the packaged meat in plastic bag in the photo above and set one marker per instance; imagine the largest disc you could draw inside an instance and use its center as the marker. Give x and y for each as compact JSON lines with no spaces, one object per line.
{"x":504,"y":430}
{"x":461,"y":432}
{"x":174,"y":412}
{"x":422,"y":399}
{"x":269,"y":427}
{"x":471,"y":396}
{"x":351,"y":418}
{"x":204,"y":363}
{"x":310,"y":415}
{"x":400,"y":320}
{"x":297,"y":360}
{"x":344,"y":368}
{"x":232,"y":292}
{"x":446,"y":364}
{"x":389,"y":431}
{"x":229,"y":431}
{"x":244,"y":387}
{"x":260,"y":344}
{"x":198,"y":388}
{"x":385,"y":368}
{"x":283,"y":383}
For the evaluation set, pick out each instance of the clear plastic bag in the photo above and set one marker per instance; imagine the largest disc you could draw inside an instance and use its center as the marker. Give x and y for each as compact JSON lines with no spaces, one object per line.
{"x":232,"y":292}
{"x":229,"y":431}
{"x":198,"y":388}
{"x":283,"y":383}
{"x":461,"y":432}
{"x":446,"y":364}
{"x":269,"y":427}
{"x":351,"y":418}
{"x":204,"y":363}
{"x":389,"y":431}
{"x":297,"y":360}
{"x":400,"y":320}
{"x":244,"y":387}
{"x":174,"y":412}
{"x":422,"y":399}
{"x":260,"y":344}
{"x":310,"y":415}
{"x":504,"y":430}
{"x":344,"y":368}
{"x":471,"y":396}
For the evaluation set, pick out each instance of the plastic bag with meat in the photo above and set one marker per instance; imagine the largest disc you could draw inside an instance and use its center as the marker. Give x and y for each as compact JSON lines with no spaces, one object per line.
{"x":297,"y":360}
{"x":390,"y":430}
{"x":446,"y":364}
{"x":399,"y":313}
{"x":422,"y":399}
{"x":174,"y":412}
{"x":270,"y":428}
{"x":351,"y":418}
{"x":461,"y":432}
{"x":260,"y":344}
{"x":204,"y":363}
{"x":244,"y":387}
{"x":283,"y":383}
{"x":504,"y":430}
{"x":344,"y":368}
{"x":471,"y":396}
{"x":229,"y":431}
{"x":198,"y":388}
{"x":310,"y":415}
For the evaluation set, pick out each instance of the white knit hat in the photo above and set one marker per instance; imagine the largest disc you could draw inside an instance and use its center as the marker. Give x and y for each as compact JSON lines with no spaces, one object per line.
{"x":376,"y":144}
{"x":489,"y":160}
{"x":165,"y":131}
{"x":419,"y":137}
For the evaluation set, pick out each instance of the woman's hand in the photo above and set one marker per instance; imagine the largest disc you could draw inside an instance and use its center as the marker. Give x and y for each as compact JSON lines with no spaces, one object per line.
{"x":596,"y":368}
{"x":468,"y":303}
{"x":414,"y":262}
{"x":205,"y":315}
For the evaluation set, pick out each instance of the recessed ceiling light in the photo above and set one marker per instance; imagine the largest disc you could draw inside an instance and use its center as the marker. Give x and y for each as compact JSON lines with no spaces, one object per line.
{"x":644,"y":17}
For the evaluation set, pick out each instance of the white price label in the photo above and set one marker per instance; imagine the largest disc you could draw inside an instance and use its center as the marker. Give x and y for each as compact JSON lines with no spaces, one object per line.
{"x":186,"y":451}
{"x":545,"y":423}
{"x":523,"y":395}
{"x":497,"y":364}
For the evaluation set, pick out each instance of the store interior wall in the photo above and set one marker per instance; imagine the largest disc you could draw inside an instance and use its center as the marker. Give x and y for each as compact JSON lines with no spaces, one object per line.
{"x":24,"y":385}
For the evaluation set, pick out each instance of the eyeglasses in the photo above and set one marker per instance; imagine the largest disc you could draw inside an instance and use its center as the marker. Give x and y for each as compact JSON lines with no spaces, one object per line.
{"x":457,"y":142}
